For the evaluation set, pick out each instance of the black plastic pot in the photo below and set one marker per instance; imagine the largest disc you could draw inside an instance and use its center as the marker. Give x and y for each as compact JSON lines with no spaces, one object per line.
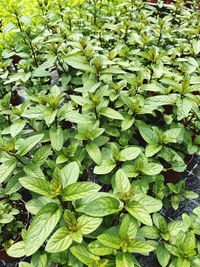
{"x":172,"y":176}
{"x":16,"y":99}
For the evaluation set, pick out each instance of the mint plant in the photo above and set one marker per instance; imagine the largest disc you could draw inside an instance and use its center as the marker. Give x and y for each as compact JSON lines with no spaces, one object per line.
{"x":111,"y":106}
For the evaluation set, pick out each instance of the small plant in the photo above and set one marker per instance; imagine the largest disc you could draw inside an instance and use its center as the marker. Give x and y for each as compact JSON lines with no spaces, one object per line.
{"x":13,"y":217}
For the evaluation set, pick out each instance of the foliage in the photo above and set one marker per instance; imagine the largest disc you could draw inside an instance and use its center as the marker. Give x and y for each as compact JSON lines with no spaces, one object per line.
{"x":111,"y":103}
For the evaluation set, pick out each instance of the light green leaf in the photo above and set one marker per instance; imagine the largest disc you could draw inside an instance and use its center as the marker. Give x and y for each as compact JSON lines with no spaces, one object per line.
{"x":6,"y":218}
{"x":40,"y":73}
{"x":122,"y":182}
{"x":125,"y":260}
{"x":110,"y":240}
{"x":41,"y":227}
{"x":7,"y":168}
{"x":74,"y":116}
{"x":8,"y":27}
{"x":150,"y":232}
{"x":70,"y":173}
{"x":59,"y":241}
{"x":152,"y":149}
{"x":129,"y":153}
{"x":88,"y":224}
{"x":75,"y":63}
{"x":17,"y":250}
{"x":27,"y":144}
{"x":39,"y":259}
{"x":80,"y":190}
{"x":56,"y":138}
{"x":42,"y":154}
{"x":97,"y":248}
{"x":139,"y":212}
{"x":94,"y":152}
{"x":101,"y":206}
{"x":184,"y":106}
{"x":111,"y":113}
{"x":128,"y":227}
{"x":13,"y":184}
{"x":152,"y":168}
{"x":81,"y":253}
{"x":37,"y":185}
{"x":106,"y":167}
{"x":137,"y":246}
{"x":175,"y":226}
{"x":35,"y":204}
{"x":151,"y":204}
{"x":162,"y":254}
{"x":17,"y":126}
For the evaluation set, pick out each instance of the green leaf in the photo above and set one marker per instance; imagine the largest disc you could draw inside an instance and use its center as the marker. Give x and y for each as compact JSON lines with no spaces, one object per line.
{"x":125,"y":260}
{"x":35,"y":204}
{"x":40,"y":73}
{"x":111,"y":113}
{"x":42,"y":154}
{"x":172,"y":249}
{"x":195,"y":46}
{"x":139,"y":212}
{"x":137,"y":246}
{"x":81,"y":253}
{"x":184,"y":106}
{"x":106,"y":167}
{"x":94,"y":152}
{"x":175,"y":226}
{"x":75,"y":63}
{"x":160,"y":100}
{"x":13,"y":184}
{"x":70,"y":173}
{"x":190,"y":194}
{"x":41,"y":227}
{"x":122,"y":182}
{"x":152,"y":87}
{"x":28,"y":144}
{"x":17,"y":126}
{"x":37,"y":185}
{"x":59,"y":241}
{"x":8,"y":27}
{"x":56,"y":138}
{"x":74,"y":116}
{"x":33,"y":170}
{"x":97,"y":248}
{"x":17,"y":250}
{"x":146,"y":132}
{"x":6,"y":218}
{"x":39,"y":259}
{"x":152,"y":168}
{"x":171,"y":135}
{"x":151,"y":204}
{"x":127,"y":122}
{"x":152,"y":149}
{"x":128,"y":228}
{"x":129,"y":153}
{"x":80,"y":190}
{"x":110,"y":240}
{"x":88,"y":224}
{"x":162,"y":254}
{"x":101,"y":206}
{"x":7,"y":168}
{"x":25,"y":264}
{"x":150,"y":232}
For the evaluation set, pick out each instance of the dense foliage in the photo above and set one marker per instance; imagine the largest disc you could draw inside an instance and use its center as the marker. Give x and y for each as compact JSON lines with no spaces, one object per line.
{"x":111,"y":105}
